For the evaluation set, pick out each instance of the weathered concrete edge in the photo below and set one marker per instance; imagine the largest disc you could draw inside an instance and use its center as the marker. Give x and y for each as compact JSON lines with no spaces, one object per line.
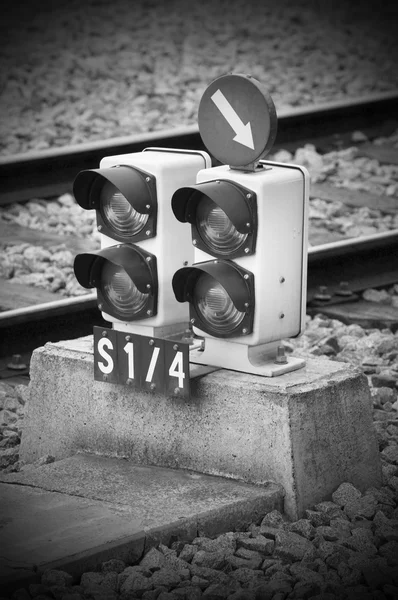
{"x":131,"y":548}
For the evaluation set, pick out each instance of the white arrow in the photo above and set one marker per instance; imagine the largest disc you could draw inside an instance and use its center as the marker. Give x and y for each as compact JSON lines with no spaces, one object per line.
{"x":243,"y":132}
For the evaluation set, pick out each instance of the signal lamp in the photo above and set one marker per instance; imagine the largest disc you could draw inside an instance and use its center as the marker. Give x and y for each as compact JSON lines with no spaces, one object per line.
{"x":125,"y":277}
{"x":221,"y":297}
{"x":223,"y":216}
{"x":125,"y":200}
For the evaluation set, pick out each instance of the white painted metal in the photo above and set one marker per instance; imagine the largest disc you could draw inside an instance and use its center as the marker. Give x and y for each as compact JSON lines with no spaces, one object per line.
{"x":279,"y":263}
{"x":172,"y":244}
{"x":257,"y":360}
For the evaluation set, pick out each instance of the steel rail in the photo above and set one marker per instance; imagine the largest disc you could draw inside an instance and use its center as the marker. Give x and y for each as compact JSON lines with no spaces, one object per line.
{"x":362,"y":262}
{"x":51,"y":172}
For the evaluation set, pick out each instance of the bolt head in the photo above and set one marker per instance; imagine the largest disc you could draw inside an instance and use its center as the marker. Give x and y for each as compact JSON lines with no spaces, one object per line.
{"x":281,"y":279}
{"x":248,"y":196}
{"x":281,"y":315}
{"x":244,"y":330}
{"x":246,"y":276}
{"x":175,"y":347}
{"x":100,"y":306}
{"x":194,"y":242}
{"x":148,"y":232}
{"x":104,"y":333}
{"x":246,"y":250}
{"x":147,"y":179}
{"x":192,"y":321}
{"x":176,"y":391}
{"x":149,"y":312}
{"x":99,"y":227}
{"x":148,"y":258}
{"x":148,"y":206}
{"x":151,"y":342}
{"x":127,"y":338}
{"x":152,"y":386}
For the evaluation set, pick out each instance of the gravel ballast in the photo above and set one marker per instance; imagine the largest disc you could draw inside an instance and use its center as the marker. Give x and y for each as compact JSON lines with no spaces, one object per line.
{"x":75,"y":71}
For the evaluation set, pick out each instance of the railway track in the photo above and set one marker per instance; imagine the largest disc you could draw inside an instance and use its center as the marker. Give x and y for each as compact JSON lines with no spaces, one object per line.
{"x":362,"y":262}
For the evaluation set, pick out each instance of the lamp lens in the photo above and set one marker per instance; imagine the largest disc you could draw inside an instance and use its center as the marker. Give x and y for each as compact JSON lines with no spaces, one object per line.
{"x":216,"y":228}
{"x":215,"y":305}
{"x":120,"y":291}
{"x":118,"y":213}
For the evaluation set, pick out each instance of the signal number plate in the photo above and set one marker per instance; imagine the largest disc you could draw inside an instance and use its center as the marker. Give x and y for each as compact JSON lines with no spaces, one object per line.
{"x":152,"y":364}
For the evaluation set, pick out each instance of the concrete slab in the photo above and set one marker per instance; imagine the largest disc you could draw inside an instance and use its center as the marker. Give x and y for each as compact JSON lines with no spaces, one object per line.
{"x":83,"y":510}
{"x":308,"y":430}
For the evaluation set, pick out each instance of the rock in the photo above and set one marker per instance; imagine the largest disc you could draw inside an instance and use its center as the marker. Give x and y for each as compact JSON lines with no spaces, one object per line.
{"x":223,"y":542}
{"x":317,"y":518}
{"x":165,"y":577}
{"x":99,"y":592}
{"x":348,"y":576}
{"x":362,"y":507}
{"x":216,"y":591}
{"x":345,"y":493}
{"x":211,"y":575}
{"x":8,"y":456}
{"x":200,"y":582}
{"x":245,"y":575}
{"x":188,"y":552}
{"x":137,"y":584}
{"x":91,"y":578}
{"x":153,"y":560}
{"x":330,"y":534}
{"x":243,"y":595}
{"x":306,"y":575}
{"x":302,"y":527}
{"x":269,"y":532}
{"x":258,"y":544}
{"x":390,"y":454}
{"x":273,"y":519}
{"x":332,"y":510}
{"x":361,"y":541}
{"x":130,"y":571}
{"x":379,"y":296}
{"x":390,"y":552}
{"x":114,"y":564}
{"x":54,"y":577}
{"x":254,"y":557}
{"x":291,"y":546}
{"x":384,"y":380}
{"x":213,"y":560}
{"x":237,"y":562}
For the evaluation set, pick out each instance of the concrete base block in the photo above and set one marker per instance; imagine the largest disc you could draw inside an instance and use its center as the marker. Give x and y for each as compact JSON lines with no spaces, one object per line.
{"x":308,"y":430}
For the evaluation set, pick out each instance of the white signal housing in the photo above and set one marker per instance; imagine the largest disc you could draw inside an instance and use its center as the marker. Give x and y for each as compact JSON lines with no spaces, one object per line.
{"x":279,"y":263}
{"x":172,"y":244}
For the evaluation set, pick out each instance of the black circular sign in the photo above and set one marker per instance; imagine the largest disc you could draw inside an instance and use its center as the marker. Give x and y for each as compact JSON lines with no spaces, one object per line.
{"x":237,"y":120}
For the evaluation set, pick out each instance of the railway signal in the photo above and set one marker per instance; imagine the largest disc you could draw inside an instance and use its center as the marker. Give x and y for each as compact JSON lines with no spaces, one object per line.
{"x":247,"y":287}
{"x":142,"y":245}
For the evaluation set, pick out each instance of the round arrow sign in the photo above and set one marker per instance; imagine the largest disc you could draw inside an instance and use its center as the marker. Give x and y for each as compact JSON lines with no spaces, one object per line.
{"x":237,"y":120}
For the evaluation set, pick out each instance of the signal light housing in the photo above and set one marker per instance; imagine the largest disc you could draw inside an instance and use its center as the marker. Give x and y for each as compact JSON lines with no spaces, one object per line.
{"x":116,"y":192}
{"x":221,"y":297}
{"x":277,"y":261}
{"x":117,"y":267}
{"x":131,"y":194}
{"x":223,"y":215}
